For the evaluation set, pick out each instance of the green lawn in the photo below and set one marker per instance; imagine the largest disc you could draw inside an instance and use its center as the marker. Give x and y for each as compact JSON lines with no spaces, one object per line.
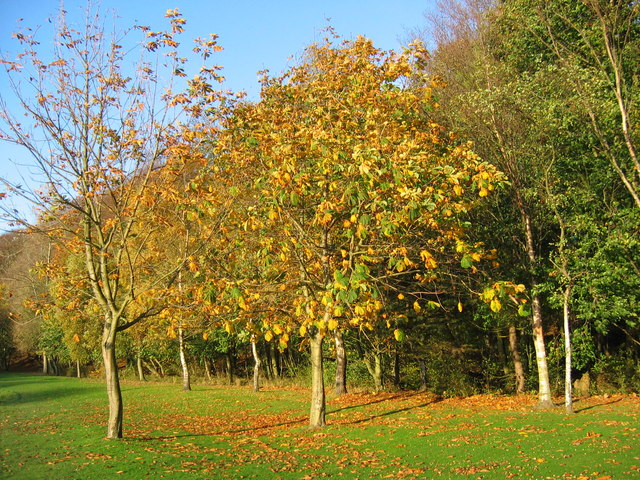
{"x":53,"y":428}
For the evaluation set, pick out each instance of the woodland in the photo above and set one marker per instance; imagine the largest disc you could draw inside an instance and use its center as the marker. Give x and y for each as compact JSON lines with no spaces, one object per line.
{"x":461,"y":219}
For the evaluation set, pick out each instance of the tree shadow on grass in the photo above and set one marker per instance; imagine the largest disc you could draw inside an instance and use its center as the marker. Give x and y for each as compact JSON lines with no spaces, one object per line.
{"x":15,"y":397}
{"x":580,"y":409}
{"x":433,"y":401}
{"x":300,"y":420}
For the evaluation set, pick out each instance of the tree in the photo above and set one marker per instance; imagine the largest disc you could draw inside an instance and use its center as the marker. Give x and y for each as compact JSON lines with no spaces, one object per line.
{"x":361,"y":194}
{"x":499,"y":110}
{"x":103,"y":138}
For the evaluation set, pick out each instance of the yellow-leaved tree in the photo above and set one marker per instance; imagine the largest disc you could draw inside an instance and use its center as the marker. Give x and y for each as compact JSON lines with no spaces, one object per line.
{"x":361,"y":193}
{"x":107,"y":139}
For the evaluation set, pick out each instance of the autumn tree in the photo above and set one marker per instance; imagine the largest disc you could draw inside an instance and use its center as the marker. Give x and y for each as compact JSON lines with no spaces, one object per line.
{"x":361,"y":193}
{"x":490,"y":104}
{"x":101,"y":130}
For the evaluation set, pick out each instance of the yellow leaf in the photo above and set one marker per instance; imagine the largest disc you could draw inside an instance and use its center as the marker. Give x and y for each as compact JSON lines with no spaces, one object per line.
{"x":460,"y":306}
{"x":171,"y":333}
{"x":495,"y":305}
{"x":228,"y":327}
{"x":333,"y":324}
{"x":400,"y":296}
{"x":205,"y":335}
{"x":483,"y":192}
{"x":277,"y":329}
{"x":458,"y":189}
{"x":303,"y":330}
{"x":268,"y":335}
{"x":416,"y":306}
{"x":76,"y":338}
{"x":398,"y":334}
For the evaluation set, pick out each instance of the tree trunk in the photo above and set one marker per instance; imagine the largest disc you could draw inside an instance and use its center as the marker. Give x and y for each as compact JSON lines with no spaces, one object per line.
{"x":256,"y":367}
{"x":152,"y":367}
{"x":517,"y":360}
{"x":207,"y":368}
{"x":140,"y":369}
{"x":228,"y":358}
{"x":186,"y":379}
{"x":375,"y":370}
{"x":318,"y":406}
{"x":544,"y":389}
{"x":78,"y":371}
{"x":423,"y":375}
{"x":341,"y":364}
{"x":396,"y":369}
{"x":568,"y":394}
{"x":274,"y":357}
{"x":114,"y":425}
{"x":45,"y":364}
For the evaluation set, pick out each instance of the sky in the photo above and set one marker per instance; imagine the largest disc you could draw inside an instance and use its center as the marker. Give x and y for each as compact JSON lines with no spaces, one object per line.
{"x":256,"y":35}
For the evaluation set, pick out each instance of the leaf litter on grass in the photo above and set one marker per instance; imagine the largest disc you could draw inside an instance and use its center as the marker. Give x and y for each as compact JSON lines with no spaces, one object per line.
{"x":404,"y":435}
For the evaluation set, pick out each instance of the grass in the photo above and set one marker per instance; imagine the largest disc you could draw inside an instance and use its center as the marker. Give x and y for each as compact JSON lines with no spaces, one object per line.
{"x":53,"y":427}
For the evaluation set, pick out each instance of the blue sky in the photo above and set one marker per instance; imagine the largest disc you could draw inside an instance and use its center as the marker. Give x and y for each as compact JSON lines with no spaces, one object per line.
{"x":255,"y":35}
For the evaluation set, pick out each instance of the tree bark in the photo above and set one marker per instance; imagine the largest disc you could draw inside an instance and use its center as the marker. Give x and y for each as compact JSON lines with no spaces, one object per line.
{"x":256,"y":367}
{"x":396,"y":369}
{"x":114,"y":394}
{"x":568,"y":394}
{"x":207,"y":368}
{"x":517,"y":360}
{"x":228,"y":358}
{"x":275,"y":367}
{"x":544,"y":389}
{"x":140,"y":369}
{"x":45,"y":364}
{"x":186,"y":379}
{"x":544,"y":386}
{"x":341,"y":364}
{"x":423,"y":375}
{"x":78,"y":371}
{"x":317,"y":416}
{"x":375,"y":370}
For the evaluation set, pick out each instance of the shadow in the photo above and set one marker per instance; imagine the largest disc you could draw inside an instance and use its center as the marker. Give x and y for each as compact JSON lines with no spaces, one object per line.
{"x":219,"y":433}
{"x":17,"y":397}
{"x":298,"y":420}
{"x":21,"y":388}
{"x":388,"y":413}
{"x":591,"y":407}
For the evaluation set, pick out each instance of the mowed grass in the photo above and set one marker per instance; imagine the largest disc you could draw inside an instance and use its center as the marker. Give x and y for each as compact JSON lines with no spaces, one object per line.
{"x":53,"y":428}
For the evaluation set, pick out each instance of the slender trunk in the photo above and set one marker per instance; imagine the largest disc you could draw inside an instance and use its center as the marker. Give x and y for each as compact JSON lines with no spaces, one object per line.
{"x":152,"y":367}
{"x":140,"y":369}
{"x":228,"y":358}
{"x":375,"y":370}
{"x":78,"y":371}
{"x":318,"y":406}
{"x":544,"y":386}
{"x":568,"y":400}
{"x":341,"y":364}
{"x":207,"y":368}
{"x":275,"y":367}
{"x":517,"y":360}
{"x":114,"y":425}
{"x":186,"y":379}
{"x":396,"y":369}
{"x":544,"y":389}
{"x":45,"y":364}
{"x":256,"y":367}
{"x":423,"y":375}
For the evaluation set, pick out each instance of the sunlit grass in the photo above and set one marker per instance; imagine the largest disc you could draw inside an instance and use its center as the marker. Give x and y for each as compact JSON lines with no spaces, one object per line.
{"x":53,"y":427}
